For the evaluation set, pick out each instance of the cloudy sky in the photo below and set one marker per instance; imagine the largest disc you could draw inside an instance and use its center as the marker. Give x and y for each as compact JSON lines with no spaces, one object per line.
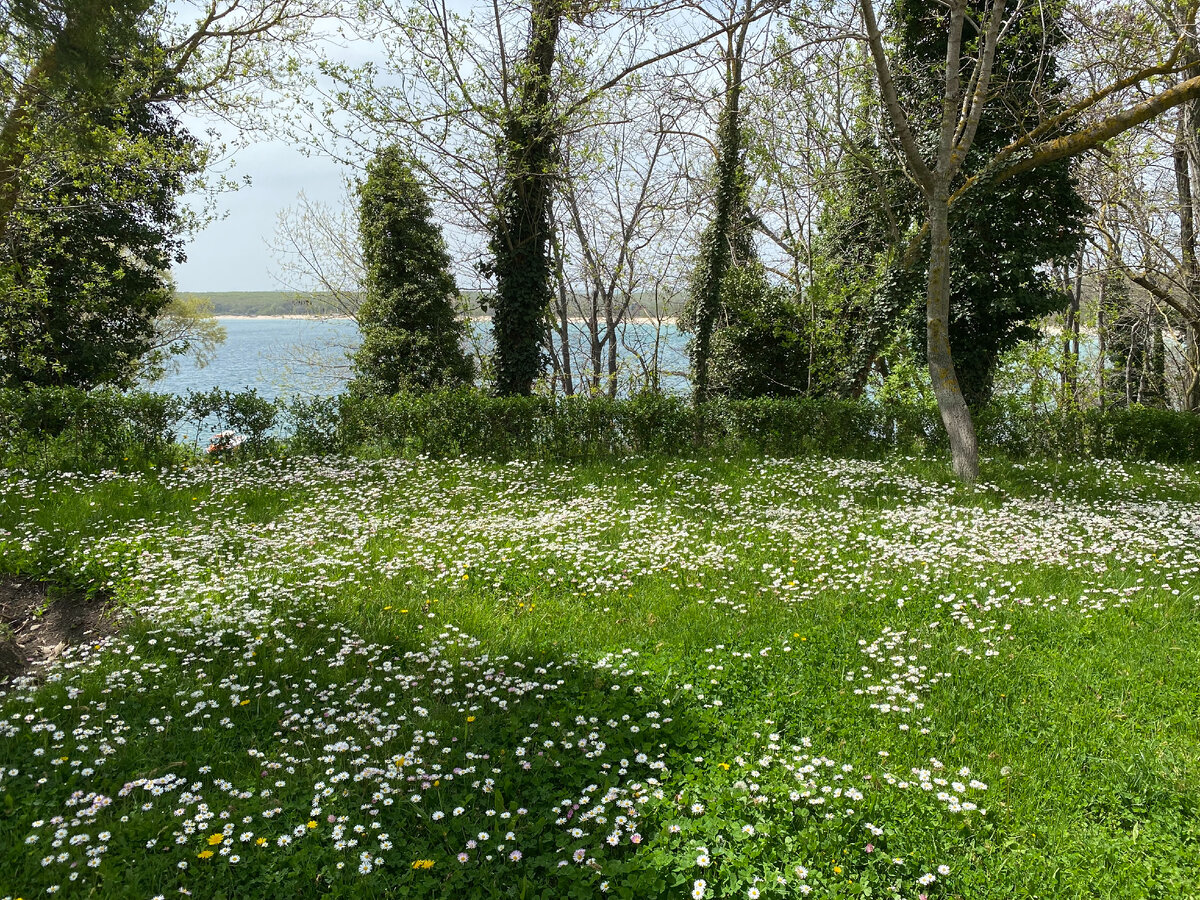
{"x":232,"y":254}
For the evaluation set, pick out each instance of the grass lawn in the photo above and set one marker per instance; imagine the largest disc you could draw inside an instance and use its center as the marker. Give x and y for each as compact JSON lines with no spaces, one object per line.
{"x":664,"y":678}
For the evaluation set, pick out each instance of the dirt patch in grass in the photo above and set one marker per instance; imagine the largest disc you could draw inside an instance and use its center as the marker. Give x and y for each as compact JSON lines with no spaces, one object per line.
{"x":37,"y":626}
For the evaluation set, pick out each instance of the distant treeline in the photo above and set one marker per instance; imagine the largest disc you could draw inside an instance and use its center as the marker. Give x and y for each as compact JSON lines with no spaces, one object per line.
{"x":290,"y":303}
{"x":263,"y":303}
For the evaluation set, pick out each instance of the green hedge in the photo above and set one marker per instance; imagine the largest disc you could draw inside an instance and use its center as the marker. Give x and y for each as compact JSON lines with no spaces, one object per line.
{"x":70,"y":428}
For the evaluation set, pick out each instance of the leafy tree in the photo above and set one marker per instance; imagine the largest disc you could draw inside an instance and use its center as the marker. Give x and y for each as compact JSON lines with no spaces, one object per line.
{"x":1005,"y":233}
{"x":93,"y":164}
{"x":412,"y":337}
{"x":966,"y":89}
{"x":63,"y":60}
{"x":762,"y":346}
{"x":83,"y":273}
{"x":71,"y":54}
{"x":184,"y":327}
{"x":856,"y":248}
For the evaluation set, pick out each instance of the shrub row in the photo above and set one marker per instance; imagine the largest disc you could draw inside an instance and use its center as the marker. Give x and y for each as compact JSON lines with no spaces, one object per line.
{"x":70,"y":428}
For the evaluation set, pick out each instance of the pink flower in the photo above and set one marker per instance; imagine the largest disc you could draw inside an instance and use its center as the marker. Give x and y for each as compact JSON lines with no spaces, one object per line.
{"x":869,"y":848}
{"x":637,"y":839}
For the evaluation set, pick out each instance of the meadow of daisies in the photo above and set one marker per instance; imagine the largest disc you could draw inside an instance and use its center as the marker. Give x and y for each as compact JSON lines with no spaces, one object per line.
{"x":655,"y":678}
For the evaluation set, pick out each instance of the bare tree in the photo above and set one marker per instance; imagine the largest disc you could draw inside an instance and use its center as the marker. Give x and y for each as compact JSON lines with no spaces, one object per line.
{"x":622,"y":199}
{"x":318,"y":254}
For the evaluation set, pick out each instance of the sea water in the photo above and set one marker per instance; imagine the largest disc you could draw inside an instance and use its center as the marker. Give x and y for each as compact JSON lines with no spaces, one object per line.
{"x":286,"y":357}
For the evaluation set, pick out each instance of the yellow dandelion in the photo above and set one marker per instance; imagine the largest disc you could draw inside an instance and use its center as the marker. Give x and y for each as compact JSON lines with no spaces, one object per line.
{"x":261,"y":841}
{"x":204,"y":854}
{"x":312,"y":823}
{"x":215,"y":839}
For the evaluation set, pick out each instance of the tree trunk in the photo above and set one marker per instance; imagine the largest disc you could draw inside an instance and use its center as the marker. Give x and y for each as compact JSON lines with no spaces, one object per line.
{"x":964,"y":449}
{"x":564,"y":336}
{"x":595,"y":344}
{"x":610,"y":327}
{"x":1070,"y":344}
{"x":1102,"y":349}
{"x":1191,"y":386}
{"x":1184,"y":151}
{"x":521,"y":232}
{"x":1076,"y":305}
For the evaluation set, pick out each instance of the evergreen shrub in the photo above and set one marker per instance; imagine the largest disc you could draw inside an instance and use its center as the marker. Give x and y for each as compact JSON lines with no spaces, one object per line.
{"x":69,"y":428}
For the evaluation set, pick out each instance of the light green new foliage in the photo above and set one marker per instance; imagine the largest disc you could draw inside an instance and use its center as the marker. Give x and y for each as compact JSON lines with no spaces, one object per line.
{"x":659,"y":679}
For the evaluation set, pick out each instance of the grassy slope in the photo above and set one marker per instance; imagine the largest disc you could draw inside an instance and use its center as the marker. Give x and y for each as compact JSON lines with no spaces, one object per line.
{"x":762,"y":624}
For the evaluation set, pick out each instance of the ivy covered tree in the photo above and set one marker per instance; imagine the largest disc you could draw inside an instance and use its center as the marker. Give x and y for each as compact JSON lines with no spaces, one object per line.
{"x":857,"y":243}
{"x":520,"y":242}
{"x":1005,"y":233}
{"x":727,"y":240}
{"x":412,"y":337}
{"x":1135,"y":363}
{"x":762,"y":346}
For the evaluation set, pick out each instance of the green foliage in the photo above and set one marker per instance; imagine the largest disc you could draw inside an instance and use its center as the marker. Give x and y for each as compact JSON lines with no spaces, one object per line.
{"x":762,"y":347}
{"x":468,"y":422}
{"x":1003,"y":235}
{"x":245,"y":412}
{"x":69,"y":428}
{"x":255,"y":303}
{"x":184,"y":327}
{"x":856,"y":246}
{"x":412,"y":338}
{"x":95,"y":223}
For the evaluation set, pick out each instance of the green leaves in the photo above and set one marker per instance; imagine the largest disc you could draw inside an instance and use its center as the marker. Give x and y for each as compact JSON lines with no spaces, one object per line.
{"x":90,"y":207}
{"x":411,"y":336}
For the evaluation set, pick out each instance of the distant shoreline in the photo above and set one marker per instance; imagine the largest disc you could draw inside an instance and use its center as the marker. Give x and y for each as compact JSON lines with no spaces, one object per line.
{"x":303,"y":317}
{"x":298,"y":316}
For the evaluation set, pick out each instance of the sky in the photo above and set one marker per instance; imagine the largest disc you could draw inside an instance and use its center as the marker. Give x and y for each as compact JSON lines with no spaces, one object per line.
{"x":232,"y":254}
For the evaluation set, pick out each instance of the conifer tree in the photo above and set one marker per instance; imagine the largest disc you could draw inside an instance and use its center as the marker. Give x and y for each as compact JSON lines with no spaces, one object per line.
{"x":412,"y":338}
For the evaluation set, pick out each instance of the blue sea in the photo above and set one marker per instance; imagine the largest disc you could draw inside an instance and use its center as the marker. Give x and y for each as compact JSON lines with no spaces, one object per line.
{"x":281,"y":358}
